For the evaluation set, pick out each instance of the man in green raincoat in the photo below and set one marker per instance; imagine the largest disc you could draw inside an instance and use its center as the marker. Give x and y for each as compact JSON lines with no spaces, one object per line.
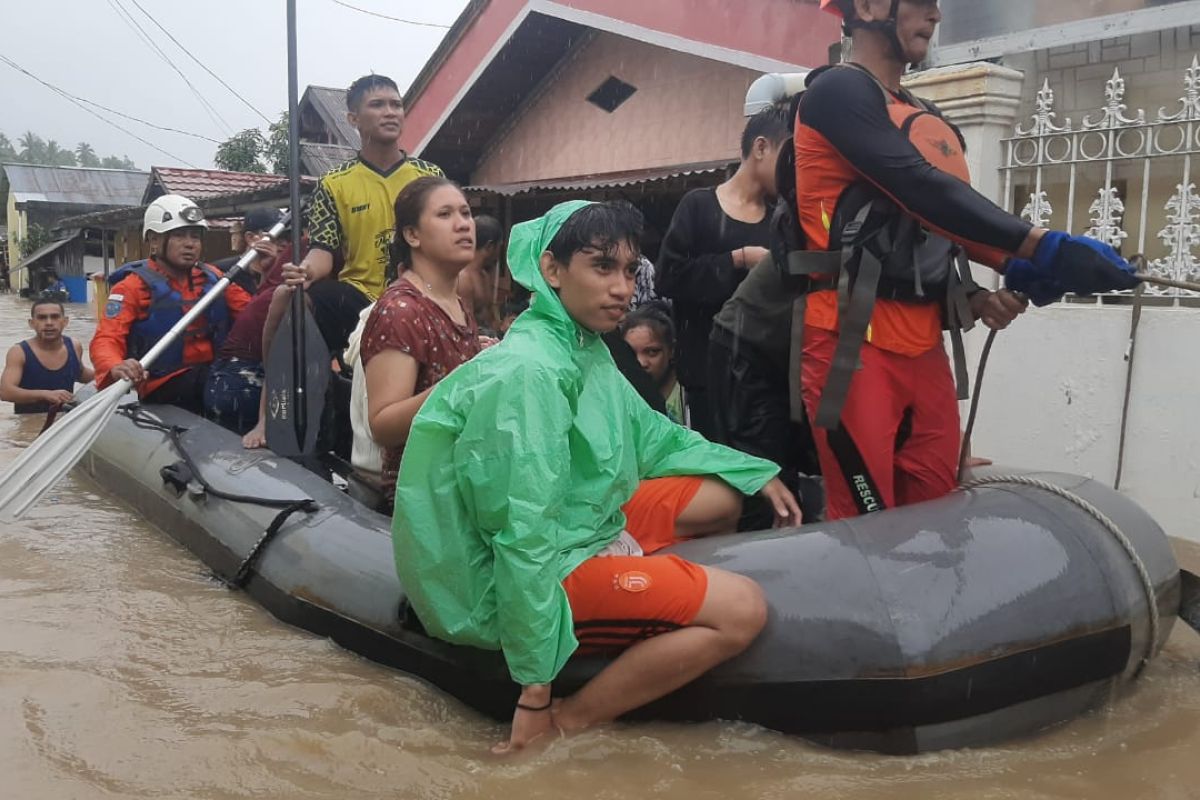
{"x":536,"y":483}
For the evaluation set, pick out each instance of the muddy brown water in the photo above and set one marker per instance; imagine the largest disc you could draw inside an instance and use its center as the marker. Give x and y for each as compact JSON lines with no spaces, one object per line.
{"x":126,"y":672}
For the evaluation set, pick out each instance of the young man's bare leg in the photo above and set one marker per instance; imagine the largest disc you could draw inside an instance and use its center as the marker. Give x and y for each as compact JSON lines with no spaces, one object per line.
{"x":733,"y":613}
{"x":716,"y":508}
{"x":257,"y":436}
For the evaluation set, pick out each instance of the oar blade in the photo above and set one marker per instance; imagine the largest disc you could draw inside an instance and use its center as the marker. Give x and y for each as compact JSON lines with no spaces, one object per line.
{"x":290,"y":394}
{"x":44,"y":462}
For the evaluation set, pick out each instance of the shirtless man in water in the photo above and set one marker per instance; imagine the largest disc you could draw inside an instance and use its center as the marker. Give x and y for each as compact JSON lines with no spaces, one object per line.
{"x":42,"y":371}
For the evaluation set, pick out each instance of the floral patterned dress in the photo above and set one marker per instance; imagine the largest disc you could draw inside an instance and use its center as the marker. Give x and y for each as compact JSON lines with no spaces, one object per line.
{"x":404,"y":319}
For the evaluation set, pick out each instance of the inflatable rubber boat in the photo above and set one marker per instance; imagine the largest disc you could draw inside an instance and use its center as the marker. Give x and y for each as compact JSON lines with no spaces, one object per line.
{"x":981,"y":616}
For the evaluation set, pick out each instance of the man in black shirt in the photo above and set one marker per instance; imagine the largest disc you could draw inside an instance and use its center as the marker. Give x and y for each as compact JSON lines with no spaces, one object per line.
{"x":255,"y":225}
{"x":715,"y":237}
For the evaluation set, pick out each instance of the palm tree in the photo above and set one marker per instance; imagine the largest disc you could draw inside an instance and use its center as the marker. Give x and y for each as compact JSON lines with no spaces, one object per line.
{"x":7,"y":151}
{"x":86,"y":155}
{"x":33,"y":149}
{"x":58,"y":157}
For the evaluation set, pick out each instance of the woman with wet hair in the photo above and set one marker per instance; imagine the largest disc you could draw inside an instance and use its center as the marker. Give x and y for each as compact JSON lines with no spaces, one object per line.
{"x":419,"y":330}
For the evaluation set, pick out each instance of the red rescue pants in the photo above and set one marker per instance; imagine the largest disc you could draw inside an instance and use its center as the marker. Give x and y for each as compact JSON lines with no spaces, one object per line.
{"x":898,"y":439}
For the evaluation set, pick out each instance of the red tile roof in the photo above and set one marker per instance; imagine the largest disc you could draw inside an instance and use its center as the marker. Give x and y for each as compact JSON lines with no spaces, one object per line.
{"x":200,"y":183}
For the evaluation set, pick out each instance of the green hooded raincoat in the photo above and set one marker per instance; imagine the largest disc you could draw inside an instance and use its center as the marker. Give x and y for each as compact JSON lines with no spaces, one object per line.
{"x":516,"y":470}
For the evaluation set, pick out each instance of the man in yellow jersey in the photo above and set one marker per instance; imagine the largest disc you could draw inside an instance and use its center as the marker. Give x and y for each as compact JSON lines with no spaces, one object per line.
{"x":352,"y":213}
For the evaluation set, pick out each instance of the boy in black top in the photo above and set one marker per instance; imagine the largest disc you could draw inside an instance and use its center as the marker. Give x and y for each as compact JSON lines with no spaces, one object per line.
{"x":715,"y":237}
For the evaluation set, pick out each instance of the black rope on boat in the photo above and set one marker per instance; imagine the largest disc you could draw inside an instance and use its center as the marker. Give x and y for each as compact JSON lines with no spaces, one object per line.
{"x":238,"y":581}
{"x":287,"y":506}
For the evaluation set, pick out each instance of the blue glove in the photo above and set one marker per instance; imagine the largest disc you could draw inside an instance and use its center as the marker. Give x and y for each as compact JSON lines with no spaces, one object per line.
{"x":1025,"y":277}
{"x":1084,"y":265}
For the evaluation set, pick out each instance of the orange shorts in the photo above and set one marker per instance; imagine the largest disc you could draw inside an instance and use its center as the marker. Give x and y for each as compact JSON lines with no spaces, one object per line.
{"x":617,"y":601}
{"x":651,"y":513}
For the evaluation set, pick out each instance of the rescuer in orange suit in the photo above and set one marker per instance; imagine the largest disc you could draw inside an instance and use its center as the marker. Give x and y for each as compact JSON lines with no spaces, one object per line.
{"x":148,"y":297}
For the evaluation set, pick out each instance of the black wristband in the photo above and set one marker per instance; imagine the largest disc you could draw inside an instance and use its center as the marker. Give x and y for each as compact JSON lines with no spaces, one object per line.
{"x":546,"y":707}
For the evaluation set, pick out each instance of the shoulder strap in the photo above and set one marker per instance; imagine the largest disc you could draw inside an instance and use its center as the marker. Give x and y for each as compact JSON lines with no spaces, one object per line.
{"x":855,"y":306}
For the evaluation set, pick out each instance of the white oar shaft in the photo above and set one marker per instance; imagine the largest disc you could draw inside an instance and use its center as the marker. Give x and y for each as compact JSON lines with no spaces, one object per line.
{"x":208,"y":299}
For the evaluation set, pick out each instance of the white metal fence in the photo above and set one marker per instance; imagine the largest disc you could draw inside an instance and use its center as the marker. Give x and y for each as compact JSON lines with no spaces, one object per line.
{"x":1133,"y":173}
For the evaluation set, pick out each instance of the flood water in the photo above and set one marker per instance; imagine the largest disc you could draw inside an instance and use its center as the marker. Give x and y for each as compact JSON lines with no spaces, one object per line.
{"x":125,"y":671}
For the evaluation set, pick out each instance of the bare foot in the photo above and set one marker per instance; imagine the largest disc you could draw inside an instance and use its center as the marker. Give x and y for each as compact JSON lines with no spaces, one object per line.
{"x":256,"y":438}
{"x":564,"y":720}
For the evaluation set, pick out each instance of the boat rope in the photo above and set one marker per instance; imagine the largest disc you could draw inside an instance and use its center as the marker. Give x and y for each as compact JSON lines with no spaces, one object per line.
{"x":1123,"y":540}
{"x":287,"y":506}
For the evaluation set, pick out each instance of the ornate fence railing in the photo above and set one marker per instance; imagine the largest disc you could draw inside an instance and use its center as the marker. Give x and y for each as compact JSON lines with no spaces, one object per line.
{"x":1133,"y":173}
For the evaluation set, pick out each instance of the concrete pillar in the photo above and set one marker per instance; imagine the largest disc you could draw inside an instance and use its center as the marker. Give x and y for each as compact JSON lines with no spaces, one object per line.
{"x":982,"y":99}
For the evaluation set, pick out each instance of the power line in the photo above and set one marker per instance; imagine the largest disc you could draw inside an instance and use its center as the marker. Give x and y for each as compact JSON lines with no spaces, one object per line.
{"x":201,"y":63}
{"x":107,"y":121}
{"x":70,"y":96}
{"x":393,"y":19}
{"x":208,"y":107}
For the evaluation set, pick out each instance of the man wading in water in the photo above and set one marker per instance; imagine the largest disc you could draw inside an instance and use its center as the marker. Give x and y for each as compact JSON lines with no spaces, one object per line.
{"x":41,"y":372}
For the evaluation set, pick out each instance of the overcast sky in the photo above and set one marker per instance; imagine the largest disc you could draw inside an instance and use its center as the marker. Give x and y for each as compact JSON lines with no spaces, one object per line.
{"x":87,"y":48}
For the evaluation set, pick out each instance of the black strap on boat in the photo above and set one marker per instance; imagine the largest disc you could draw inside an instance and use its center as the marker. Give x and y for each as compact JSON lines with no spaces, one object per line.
{"x":172,"y":474}
{"x":243,"y":574}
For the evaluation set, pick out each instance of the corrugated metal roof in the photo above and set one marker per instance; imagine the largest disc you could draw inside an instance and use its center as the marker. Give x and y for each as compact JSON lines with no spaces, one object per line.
{"x":44,"y":251}
{"x":33,"y":183}
{"x":320,"y":158}
{"x":330,"y":104}
{"x":604,"y":181}
{"x":196,"y":184}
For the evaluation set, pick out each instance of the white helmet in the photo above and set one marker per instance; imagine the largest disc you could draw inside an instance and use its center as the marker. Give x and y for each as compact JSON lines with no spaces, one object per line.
{"x":170,"y":213}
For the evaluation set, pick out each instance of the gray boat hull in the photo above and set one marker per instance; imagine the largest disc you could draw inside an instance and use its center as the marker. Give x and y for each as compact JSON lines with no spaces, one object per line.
{"x":978,"y":617}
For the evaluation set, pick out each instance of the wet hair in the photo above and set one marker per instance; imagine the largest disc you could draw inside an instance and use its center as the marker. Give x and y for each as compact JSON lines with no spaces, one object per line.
{"x":43,"y":300}
{"x":653,"y":315}
{"x":410,"y":204}
{"x":770,"y":123}
{"x":488,"y":230}
{"x":599,"y":226}
{"x":366,"y":84}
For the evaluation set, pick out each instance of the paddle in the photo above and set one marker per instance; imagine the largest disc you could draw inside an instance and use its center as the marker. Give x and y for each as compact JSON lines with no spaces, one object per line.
{"x":59,"y":448}
{"x":297,"y":366}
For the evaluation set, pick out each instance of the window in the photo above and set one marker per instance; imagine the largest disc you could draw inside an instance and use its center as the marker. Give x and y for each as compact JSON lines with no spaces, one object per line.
{"x":611,"y":94}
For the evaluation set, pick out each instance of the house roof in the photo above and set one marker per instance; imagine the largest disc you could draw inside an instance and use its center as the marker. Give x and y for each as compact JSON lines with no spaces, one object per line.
{"x":196,"y":184}
{"x":605,"y":181}
{"x":33,"y":183}
{"x":43,"y":251}
{"x":231,"y":204}
{"x":317,"y":159}
{"x":501,"y":49}
{"x":330,"y":106}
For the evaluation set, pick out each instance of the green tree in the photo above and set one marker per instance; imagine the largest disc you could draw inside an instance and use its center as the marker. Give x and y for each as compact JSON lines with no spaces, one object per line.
{"x":112,"y":162}
{"x":240,"y":152}
{"x":7,"y":151}
{"x":36,"y":237}
{"x":86,"y":155}
{"x":275,"y":153}
{"x":33,"y":148}
{"x":56,"y":156}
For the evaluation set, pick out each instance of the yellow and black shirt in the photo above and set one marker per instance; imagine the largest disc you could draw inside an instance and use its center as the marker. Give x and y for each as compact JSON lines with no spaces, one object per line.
{"x":353,"y":214}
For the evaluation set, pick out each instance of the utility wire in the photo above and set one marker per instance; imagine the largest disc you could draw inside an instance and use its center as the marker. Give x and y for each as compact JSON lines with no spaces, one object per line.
{"x":393,"y":19}
{"x":208,"y":107}
{"x":107,"y":121}
{"x":189,"y":54}
{"x":70,"y":96}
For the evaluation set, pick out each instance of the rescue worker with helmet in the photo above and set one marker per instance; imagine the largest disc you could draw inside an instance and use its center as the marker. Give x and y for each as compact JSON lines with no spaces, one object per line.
{"x":146,"y":298}
{"x":887,"y":219}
